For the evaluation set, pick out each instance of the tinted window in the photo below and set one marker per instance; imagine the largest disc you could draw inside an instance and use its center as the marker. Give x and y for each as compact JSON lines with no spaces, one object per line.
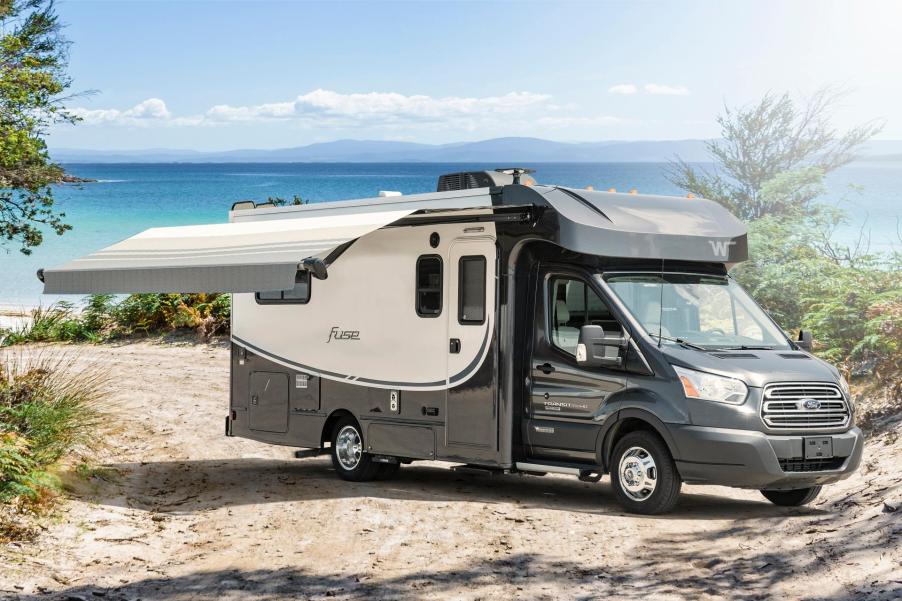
{"x":471,"y":286}
{"x":299,"y":294}
{"x":429,"y":286}
{"x":573,"y":305}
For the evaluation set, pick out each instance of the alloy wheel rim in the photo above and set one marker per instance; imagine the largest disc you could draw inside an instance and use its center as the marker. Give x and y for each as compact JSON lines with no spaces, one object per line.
{"x":638,"y":473}
{"x":348,"y":447}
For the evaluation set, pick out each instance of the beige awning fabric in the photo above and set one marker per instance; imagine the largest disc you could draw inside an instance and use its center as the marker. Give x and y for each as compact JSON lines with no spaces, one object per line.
{"x":244,"y":256}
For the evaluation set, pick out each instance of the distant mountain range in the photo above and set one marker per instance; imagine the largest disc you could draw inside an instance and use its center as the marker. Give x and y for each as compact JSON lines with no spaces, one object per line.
{"x":497,"y":150}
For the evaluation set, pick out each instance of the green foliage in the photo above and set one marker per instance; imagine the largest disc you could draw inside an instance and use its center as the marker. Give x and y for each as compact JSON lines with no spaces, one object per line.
{"x":138,"y":314}
{"x":47,"y":410}
{"x":762,"y":145}
{"x":769,"y":170}
{"x":281,"y":202}
{"x":33,"y":60}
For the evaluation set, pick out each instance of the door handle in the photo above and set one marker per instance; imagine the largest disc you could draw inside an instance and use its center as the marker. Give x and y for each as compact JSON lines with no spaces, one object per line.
{"x":545,"y":368}
{"x":254,"y":400}
{"x":455,"y":345}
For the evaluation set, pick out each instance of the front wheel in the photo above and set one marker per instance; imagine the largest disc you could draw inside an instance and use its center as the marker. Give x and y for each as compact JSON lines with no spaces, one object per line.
{"x":643,"y":474}
{"x":792,"y":498}
{"x":348,"y":457}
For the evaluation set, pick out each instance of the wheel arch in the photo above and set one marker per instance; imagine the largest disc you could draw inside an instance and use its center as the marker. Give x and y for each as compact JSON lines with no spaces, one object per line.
{"x":631,"y":420}
{"x":329,"y":426}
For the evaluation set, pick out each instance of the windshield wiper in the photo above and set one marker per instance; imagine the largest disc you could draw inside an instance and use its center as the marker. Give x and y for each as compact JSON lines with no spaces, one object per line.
{"x":680,"y":341}
{"x":746,"y":348}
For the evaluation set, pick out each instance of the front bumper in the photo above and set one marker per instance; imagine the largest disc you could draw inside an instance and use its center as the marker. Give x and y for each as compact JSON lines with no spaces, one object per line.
{"x":750,"y":459}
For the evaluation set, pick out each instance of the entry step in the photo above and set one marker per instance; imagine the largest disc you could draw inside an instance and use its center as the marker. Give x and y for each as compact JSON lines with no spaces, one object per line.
{"x":478,"y":469}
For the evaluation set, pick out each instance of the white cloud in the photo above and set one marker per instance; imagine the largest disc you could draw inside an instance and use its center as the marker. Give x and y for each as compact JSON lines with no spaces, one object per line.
{"x":623,"y":88}
{"x":152,"y":109}
{"x":665,"y":90}
{"x":378,"y":108}
{"x":390,"y":110}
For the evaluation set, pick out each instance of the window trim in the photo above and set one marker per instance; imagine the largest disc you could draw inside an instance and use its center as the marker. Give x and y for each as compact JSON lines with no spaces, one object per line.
{"x":416,"y":286}
{"x":288,"y":301}
{"x":460,"y":290}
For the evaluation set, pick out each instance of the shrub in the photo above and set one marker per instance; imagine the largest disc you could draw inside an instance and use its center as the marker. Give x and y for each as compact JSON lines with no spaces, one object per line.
{"x":138,"y":314}
{"x":48,"y":409}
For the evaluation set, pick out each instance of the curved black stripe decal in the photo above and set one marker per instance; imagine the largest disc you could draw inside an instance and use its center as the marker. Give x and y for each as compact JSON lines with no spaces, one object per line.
{"x":469,"y":369}
{"x":476,"y":362}
{"x":330,"y":374}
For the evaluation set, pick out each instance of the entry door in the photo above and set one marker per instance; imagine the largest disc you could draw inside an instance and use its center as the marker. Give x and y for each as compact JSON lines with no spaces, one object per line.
{"x":471,"y":415}
{"x":564,"y":397}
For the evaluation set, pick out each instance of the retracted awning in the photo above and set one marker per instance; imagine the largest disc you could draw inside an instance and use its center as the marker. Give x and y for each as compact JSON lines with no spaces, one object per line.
{"x":245,"y":256}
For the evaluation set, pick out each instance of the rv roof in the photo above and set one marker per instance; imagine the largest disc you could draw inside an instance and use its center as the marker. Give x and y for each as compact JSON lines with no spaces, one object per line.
{"x":253,"y":254}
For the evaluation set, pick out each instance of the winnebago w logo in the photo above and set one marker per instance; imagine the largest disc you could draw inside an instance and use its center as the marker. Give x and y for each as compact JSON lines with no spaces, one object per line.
{"x":338,"y":334}
{"x":721,"y":248}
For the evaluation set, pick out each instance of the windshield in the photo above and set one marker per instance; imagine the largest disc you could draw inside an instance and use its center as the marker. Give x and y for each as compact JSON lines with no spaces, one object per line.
{"x":702,"y":310}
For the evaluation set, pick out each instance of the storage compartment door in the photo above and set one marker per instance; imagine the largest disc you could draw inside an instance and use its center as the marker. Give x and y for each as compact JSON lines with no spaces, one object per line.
{"x":268,"y":406}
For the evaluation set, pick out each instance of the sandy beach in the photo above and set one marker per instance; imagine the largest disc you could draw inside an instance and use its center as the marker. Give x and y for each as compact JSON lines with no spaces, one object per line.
{"x":179,"y":511}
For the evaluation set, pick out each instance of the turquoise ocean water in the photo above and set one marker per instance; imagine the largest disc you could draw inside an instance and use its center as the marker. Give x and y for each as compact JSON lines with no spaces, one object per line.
{"x":132,"y":197}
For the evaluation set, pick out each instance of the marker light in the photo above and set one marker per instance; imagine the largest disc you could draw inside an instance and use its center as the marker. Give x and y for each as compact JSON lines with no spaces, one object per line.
{"x":709,"y":387}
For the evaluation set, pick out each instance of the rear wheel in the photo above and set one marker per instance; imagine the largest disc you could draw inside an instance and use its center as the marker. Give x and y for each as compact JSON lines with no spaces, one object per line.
{"x":348,"y":457}
{"x":792,"y":498}
{"x":643,"y":474}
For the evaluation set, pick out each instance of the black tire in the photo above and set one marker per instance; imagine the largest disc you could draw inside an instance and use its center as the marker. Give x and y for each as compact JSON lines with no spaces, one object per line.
{"x":363,"y":468}
{"x":656,"y":486}
{"x":792,"y":498}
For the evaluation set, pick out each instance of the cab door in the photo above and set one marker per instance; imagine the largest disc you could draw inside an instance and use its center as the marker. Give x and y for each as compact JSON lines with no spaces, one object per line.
{"x":471,"y":411}
{"x":564,"y":398}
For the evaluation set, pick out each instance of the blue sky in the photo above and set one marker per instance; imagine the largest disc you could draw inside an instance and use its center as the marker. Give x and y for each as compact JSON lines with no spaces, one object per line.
{"x":229,"y":74}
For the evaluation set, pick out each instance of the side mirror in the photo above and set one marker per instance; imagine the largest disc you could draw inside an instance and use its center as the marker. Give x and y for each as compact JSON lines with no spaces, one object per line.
{"x":596,"y":349}
{"x":805,"y":341}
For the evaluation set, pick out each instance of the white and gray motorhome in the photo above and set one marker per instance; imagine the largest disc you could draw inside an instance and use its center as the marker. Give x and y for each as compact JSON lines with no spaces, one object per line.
{"x":504,"y":326}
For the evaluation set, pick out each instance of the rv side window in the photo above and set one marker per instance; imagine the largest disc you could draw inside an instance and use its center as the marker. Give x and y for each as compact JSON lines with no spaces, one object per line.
{"x":429,"y":286}
{"x":471,"y":290}
{"x":300,"y":294}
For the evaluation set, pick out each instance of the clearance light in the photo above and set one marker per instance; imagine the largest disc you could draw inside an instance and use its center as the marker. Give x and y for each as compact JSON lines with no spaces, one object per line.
{"x":709,"y":387}
{"x":634,"y":191}
{"x":612,"y":189}
{"x":690,"y":195}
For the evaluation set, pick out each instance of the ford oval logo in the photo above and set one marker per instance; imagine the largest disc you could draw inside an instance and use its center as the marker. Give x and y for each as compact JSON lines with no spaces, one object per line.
{"x":811,"y":404}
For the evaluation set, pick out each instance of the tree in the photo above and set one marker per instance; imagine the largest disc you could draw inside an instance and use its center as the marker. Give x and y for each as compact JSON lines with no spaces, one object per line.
{"x":768,"y":140}
{"x":33,"y":80}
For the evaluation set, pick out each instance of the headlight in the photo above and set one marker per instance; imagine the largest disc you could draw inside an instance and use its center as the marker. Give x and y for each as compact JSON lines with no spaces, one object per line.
{"x":708,"y":387}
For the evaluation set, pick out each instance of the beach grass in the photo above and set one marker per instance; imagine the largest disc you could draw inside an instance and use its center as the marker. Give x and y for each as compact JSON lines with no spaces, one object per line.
{"x":49,"y":410}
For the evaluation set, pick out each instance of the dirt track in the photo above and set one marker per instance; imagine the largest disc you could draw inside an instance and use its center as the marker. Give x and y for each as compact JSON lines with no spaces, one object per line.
{"x":183,"y":512}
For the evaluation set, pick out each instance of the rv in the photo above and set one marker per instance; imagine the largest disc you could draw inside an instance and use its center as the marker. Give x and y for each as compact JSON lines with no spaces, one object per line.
{"x":506,"y":326}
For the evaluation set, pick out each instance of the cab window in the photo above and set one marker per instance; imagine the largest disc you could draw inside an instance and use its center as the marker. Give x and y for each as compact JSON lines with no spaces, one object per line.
{"x":573,"y":305}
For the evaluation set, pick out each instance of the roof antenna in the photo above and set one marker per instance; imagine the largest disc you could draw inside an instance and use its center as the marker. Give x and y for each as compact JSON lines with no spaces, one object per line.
{"x":516,"y":172}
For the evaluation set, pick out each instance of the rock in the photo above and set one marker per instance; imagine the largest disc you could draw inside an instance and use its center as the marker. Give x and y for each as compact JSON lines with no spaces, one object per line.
{"x":890,"y":507}
{"x":67,"y":178}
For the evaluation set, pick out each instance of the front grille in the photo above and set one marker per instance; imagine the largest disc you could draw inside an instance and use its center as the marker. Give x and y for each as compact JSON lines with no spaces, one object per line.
{"x":784,"y":406}
{"x":811,"y":465}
